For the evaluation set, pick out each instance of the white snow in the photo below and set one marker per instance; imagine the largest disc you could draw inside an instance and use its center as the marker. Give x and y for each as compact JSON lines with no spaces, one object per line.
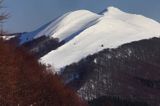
{"x":7,"y":37}
{"x":112,"y":29}
{"x":65,"y":27}
{"x":95,"y":61}
{"x":69,"y":24}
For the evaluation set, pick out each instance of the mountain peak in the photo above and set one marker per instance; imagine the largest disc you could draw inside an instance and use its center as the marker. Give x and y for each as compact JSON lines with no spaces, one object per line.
{"x":111,"y":10}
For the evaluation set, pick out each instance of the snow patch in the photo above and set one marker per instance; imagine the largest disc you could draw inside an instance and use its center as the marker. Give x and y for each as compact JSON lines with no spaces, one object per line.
{"x":7,"y":37}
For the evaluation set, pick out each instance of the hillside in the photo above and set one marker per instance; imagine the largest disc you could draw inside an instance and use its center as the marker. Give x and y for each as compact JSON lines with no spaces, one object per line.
{"x":24,"y":82}
{"x":108,"y":58}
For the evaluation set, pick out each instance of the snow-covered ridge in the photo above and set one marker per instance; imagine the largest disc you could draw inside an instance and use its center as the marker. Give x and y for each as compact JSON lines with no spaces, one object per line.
{"x":111,"y":29}
{"x":65,"y":27}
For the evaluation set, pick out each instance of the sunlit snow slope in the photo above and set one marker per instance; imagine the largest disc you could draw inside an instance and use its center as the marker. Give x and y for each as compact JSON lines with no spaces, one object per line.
{"x":112,"y":29}
{"x":64,"y":27}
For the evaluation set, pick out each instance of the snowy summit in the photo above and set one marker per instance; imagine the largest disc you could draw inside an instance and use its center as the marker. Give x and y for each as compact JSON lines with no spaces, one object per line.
{"x":87,"y":33}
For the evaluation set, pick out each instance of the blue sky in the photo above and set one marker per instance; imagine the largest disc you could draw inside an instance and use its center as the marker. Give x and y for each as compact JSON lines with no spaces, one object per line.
{"x":27,"y":15}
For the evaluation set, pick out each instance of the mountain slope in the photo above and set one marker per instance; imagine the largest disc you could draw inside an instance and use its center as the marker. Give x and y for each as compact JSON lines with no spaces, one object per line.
{"x":111,"y":30}
{"x":130,"y":72}
{"x":64,"y":27}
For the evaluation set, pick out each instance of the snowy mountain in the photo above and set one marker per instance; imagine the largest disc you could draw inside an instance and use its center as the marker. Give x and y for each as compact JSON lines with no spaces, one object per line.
{"x":65,"y":27}
{"x":109,"y":30}
{"x":112,"y":55}
{"x":75,"y":35}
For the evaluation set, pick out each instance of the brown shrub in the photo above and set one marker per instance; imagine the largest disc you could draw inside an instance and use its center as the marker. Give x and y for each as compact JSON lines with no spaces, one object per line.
{"x":24,"y":82}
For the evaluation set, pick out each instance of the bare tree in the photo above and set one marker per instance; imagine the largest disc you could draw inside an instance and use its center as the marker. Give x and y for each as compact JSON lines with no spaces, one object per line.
{"x":3,"y":16}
